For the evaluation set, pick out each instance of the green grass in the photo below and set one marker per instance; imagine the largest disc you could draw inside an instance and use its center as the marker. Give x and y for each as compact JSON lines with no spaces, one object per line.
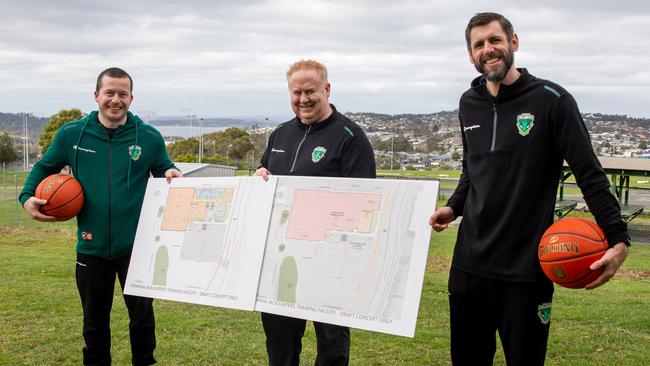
{"x":418,"y":173}
{"x":40,"y":312}
{"x":40,"y":316}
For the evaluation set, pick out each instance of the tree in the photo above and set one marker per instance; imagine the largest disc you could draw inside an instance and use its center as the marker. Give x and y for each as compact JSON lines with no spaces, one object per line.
{"x":184,"y":148}
{"x":399,"y":143}
{"x":185,"y":158}
{"x":232,"y":142}
{"x":54,"y":123}
{"x":259,"y":143}
{"x":433,"y":143}
{"x":7,"y":152}
{"x":236,"y":141}
{"x":643,"y":145}
{"x":231,"y":146}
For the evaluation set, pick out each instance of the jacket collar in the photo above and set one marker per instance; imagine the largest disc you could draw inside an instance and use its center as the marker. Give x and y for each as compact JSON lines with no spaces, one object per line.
{"x":316,"y":126}
{"x":131,"y":120}
{"x":479,"y":84}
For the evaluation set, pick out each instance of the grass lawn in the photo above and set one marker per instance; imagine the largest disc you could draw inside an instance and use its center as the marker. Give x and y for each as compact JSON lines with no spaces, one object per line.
{"x":40,"y":316}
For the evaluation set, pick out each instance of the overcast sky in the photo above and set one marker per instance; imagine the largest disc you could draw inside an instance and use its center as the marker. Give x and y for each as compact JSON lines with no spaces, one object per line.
{"x":228,"y":58}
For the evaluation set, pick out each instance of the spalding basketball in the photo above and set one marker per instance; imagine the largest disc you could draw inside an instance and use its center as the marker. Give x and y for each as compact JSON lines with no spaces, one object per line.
{"x":64,"y":196}
{"x":568,"y":248}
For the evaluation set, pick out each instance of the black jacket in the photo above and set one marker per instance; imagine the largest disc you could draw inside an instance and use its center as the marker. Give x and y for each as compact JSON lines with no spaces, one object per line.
{"x":513,"y":148}
{"x":335,"y":147}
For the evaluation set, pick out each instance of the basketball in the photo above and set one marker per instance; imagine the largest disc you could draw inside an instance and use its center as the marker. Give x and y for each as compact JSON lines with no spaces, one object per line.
{"x":568,"y":248}
{"x":64,"y":196}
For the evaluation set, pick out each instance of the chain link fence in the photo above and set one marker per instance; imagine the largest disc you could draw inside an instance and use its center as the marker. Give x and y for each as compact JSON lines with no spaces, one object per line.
{"x":638,"y":226}
{"x":639,"y":230}
{"x":13,"y":215}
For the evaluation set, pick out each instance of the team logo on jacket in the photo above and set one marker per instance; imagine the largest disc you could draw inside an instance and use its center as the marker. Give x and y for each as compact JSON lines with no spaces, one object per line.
{"x":86,"y":235}
{"x":135,"y":152}
{"x":544,"y":312}
{"x":525,"y":123}
{"x":318,"y":153}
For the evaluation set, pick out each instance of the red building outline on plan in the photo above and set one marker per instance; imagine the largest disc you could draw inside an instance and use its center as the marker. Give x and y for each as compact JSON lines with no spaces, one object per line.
{"x":313,"y":212}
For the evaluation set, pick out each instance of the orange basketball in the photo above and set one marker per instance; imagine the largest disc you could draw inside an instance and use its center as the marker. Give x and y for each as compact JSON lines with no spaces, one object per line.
{"x":568,"y":248}
{"x":64,"y":196}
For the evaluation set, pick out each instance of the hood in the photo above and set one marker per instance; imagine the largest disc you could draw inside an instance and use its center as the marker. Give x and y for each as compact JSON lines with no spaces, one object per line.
{"x":318,"y":125}
{"x":479,"y":84}
{"x":132,"y":121}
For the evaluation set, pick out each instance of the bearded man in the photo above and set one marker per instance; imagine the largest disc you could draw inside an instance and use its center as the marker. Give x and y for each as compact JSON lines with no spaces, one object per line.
{"x":516,"y":131}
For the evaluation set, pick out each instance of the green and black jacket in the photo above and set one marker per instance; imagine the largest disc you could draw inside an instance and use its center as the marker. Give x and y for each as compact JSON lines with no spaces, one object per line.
{"x":513,"y":148}
{"x":113,"y":174}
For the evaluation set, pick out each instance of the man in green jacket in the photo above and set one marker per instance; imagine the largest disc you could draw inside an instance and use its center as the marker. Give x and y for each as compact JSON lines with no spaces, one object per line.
{"x":111,"y":153}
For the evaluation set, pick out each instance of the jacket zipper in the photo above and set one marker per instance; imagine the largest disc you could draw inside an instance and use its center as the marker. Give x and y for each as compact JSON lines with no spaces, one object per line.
{"x":110,"y":189}
{"x":295,"y":156}
{"x":494,"y":126}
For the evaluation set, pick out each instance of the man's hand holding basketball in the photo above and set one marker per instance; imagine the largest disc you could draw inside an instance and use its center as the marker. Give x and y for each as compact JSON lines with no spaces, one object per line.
{"x":33,"y":208}
{"x":611,"y":261}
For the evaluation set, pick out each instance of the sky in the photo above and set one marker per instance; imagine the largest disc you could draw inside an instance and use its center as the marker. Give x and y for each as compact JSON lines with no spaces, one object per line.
{"x":216,"y":58}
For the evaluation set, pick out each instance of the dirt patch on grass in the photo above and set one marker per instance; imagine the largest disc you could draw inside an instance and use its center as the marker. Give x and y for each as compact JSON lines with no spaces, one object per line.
{"x":633,"y":274}
{"x":8,"y":230}
{"x":24,"y":235}
{"x":438,"y":264}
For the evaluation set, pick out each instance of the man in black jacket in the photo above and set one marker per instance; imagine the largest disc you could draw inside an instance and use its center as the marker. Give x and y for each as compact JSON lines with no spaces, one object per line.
{"x":516,"y":131}
{"x":319,"y":141}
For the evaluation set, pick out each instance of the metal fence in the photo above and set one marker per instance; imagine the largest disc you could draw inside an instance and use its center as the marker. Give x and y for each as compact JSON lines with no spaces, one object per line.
{"x":639,"y":230}
{"x":638,"y":227}
{"x":7,"y":198}
{"x":13,"y":215}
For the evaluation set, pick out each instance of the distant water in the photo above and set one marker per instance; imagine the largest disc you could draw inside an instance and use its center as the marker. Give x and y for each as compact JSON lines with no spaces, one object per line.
{"x":186,"y":131}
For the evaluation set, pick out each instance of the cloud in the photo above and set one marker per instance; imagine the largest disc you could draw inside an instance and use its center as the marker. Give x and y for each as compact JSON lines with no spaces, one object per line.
{"x":223,"y":58}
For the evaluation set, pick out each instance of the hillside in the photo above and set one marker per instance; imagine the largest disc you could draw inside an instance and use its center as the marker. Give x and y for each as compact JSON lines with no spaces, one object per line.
{"x":407,"y":124}
{"x":13,"y":123}
{"x":416,"y":124}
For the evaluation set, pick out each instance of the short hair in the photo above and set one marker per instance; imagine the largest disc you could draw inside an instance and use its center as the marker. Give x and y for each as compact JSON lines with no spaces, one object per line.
{"x":481,"y":19}
{"x":113,"y":72}
{"x":309,"y":65}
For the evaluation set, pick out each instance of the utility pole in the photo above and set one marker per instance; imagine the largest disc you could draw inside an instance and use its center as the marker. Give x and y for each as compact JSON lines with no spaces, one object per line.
{"x":391,"y":153}
{"x":191,"y":117}
{"x":227,"y":152}
{"x":200,"y":139}
{"x":26,"y":144}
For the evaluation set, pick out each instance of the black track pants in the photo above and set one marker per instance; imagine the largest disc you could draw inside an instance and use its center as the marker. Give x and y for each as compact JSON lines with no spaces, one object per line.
{"x":95,"y":282}
{"x":479,"y":307}
{"x":284,"y":341}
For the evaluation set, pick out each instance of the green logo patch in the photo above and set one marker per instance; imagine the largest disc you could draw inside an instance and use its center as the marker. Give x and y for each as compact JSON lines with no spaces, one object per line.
{"x":318,"y":154}
{"x":544,"y":312}
{"x":525,"y":123}
{"x":135,"y":152}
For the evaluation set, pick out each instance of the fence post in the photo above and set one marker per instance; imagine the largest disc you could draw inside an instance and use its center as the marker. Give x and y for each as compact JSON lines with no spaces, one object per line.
{"x":16,"y":190}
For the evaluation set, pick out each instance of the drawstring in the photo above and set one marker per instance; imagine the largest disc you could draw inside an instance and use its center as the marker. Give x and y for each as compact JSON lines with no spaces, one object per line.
{"x":128,"y":174}
{"x":76,"y":149}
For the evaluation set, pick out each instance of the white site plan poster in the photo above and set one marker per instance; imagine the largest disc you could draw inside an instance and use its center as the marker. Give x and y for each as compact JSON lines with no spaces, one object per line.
{"x":344,"y":251}
{"x":201,"y":240}
{"x":347,"y":251}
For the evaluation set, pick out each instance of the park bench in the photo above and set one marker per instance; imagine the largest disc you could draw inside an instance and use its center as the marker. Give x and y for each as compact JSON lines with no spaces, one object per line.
{"x":563,"y":207}
{"x":629,"y":212}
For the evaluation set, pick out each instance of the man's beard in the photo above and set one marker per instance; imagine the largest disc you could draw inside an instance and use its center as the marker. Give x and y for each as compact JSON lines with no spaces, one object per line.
{"x":499,"y":74}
